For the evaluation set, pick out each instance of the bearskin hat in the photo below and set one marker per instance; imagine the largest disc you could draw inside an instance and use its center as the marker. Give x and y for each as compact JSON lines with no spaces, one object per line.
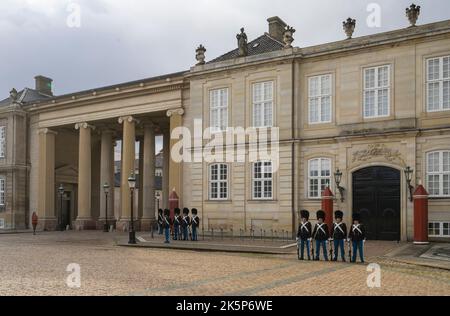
{"x":166,"y":212}
{"x":338,"y":214}
{"x":194,"y":211}
{"x":160,"y":211}
{"x":177,"y":211}
{"x":185,"y":211}
{"x":304,"y":214}
{"x":356,"y":217}
{"x":320,"y":214}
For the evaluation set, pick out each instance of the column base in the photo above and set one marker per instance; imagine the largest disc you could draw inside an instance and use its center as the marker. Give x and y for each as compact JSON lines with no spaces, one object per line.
{"x":85,"y":224}
{"x":147,"y":224}
{"x":46,"y":224}
{"x":123,"y":225}
{"x":421,"y":242}
{"x":101,"y":224}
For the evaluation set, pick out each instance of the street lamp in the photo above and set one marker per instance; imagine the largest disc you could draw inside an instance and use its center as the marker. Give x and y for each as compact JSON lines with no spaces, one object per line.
{"x":106,"y":190}
{"x":338,"y":179}
{"x":158,"y":197}
{"x":408,"y":175}
{"x":132,"y":185}
{"x":61,"y":196}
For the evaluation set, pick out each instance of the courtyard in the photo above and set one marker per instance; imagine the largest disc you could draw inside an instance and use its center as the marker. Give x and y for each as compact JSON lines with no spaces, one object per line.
{"x":37,"y":265}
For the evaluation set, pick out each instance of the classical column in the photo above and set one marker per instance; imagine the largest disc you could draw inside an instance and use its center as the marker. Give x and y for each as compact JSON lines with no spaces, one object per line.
{"x":84,"y":218}
{"x":175,"y":168}
{"x":107,"y":176}
{"x":141,"y":180}
{"x":128,"y":158}
{"x":165,"y":178}
{"x":148,"y":177}
{"x":46,"y":198}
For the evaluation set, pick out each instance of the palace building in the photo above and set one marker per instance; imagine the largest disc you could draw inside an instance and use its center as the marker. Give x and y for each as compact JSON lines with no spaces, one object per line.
{"x":360,"y":110}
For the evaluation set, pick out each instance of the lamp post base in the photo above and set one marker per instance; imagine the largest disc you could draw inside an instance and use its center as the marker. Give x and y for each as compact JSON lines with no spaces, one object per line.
{"x":132,"y":238}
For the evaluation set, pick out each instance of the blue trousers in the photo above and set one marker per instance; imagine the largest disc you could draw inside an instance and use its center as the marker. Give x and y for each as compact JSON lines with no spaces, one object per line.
{"x":301,"y":245}
{"x":358,"y":246}
{"x":176,"y":232}
{"x":167,"y":234}
{"x":194,"y":233}
{"x":185,"y":233}
{"x":322,"y":243}
{"x":339,"y":243}
{"x":160,"y":229}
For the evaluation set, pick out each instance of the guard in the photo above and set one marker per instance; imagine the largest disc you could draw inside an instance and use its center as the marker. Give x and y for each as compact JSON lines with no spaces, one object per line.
{"x":321,"y":235}
{"x":304,"y":235}
{"x":185,"y":223}
{"x":195,"y":224}
{"x":166,"y":225}
{"x":339,"y":235}
{"x":357,"y":236}
{"x":177,"y":224}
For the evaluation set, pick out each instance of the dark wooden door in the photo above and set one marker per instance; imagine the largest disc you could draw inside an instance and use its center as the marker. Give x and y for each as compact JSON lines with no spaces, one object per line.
{"x":376,"y":196}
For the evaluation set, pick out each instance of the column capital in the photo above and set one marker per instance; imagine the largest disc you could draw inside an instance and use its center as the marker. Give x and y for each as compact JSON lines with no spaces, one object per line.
{"x":129,"y":119}
{"x":84,"y":125}
{"x":171,"y":112}
{"x":47,"y":131}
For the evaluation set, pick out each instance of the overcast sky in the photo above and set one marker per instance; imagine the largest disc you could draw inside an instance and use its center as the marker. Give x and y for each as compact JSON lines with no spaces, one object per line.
{"x":124,"y":40}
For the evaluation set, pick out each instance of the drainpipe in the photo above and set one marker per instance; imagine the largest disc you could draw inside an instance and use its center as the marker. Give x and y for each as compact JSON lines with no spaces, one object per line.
{"x":293,"y":149}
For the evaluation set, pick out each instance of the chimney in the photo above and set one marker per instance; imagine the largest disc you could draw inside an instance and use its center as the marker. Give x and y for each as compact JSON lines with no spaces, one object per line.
{"x":44,"y":85}
{"x":276,"y":28}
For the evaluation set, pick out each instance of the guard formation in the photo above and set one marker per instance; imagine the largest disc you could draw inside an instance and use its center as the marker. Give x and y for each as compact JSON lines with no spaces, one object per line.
{"x":315,"y":240}
{"x":180,"y":227}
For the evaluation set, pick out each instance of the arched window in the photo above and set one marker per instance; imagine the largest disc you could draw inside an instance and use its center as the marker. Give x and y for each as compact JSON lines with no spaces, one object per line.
{"x":319,"y":176}
{"x":218,"y":181}
{"x":438,"y":173}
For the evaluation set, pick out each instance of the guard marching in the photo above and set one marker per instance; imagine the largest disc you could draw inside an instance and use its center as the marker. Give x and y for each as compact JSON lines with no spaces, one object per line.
{"x":185,"y":223}
{"x":177,"y":224}
{"x":357,"y":235}
{"x":321,"y":235}
{"x":166,"y":225}
{"x":339,"y":235}
{"x":304,"y":235}
{"x":195,"y":224}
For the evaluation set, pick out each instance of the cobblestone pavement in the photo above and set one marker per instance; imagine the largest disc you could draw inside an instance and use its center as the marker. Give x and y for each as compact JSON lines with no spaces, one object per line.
{"x":36,"y":265}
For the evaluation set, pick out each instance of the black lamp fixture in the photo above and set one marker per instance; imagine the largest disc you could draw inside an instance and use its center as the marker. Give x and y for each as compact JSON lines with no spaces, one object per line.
{"x":408,"y":176}
{"x":338,"y":179}
{"x":61,"y":191}
{"x":132,"y":186}
{"x":106,"y":190}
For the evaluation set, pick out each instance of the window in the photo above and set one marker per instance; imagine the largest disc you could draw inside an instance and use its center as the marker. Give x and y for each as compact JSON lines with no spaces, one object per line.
{"x":438,"y":173}
{"x":2,"y":223}
{"x":2,"y":141}
{"x":262,"y":180}
{"x":2,"y":192}
{"x":263,"y":104}
{"x":219,"y":109}
{"x":320,"y":99}
{"x":218,"y":182}
{"x":439,"y":229}
{"x":376,"y":91}
{"x":438,"y":84}
{"x":319,"y":176}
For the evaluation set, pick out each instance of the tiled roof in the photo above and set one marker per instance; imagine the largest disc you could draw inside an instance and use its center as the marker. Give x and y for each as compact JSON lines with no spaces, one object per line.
{"x":261,"y":45}
{"x":25,"y":96}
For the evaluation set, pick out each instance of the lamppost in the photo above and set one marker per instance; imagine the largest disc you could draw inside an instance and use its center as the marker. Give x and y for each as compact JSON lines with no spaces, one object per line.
{"x":132,"y":185}
{"x":337,"y":179}
{"x":61,"y":195}
{"x":158,"y":196}
{"x":408,"y":175}
{"x":106,"y":190}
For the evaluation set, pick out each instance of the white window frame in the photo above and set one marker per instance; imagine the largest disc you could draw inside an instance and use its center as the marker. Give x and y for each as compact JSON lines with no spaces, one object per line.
{"x":319,"y":176}
{"x":441,"y":229}
{"x":217,"y":127}
{"x":377,"y":90}
{"x":2,"y":223}
{"x":2,"y":192}
{"x":219,"y":181}
{"x":262,"y":180}
{"x":440,"y":173}
{"x":262,"y":103}
{"x":2,"y":141}
{"x":440,"y":81}
{"x":320,"y":98}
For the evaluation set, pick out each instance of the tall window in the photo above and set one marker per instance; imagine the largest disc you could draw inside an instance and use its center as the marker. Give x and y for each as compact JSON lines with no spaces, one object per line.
{"x":2,"y":192}
{"x":262,"y":180}
{"x":218,"y":100}
{"x":319,"y":176}
{"x":438,"y":173}
{"x":2,"y":141}
{"x":376,"y":91}
{"x":439,"y":229}
{"x":218,"y":182}
{"x":320,"y":99}
{"x":438,"y":84}
{"x":263,"y":104}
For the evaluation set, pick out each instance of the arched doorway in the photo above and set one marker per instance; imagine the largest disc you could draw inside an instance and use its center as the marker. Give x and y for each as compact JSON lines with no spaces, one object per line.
{"x":376,"y":196}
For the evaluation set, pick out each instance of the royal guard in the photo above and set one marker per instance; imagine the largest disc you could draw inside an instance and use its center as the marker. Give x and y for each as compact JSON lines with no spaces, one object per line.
{"x":357,"y":236}
{"x":177,"y":224}
{"x":339,"y":235}
{"x":160,"y":221}
{"x":186,"y":223}
{"x":195,"y":224}
{"x":321,"y":235}
{"x":304,"y":235}
{"x":166,"y":225}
